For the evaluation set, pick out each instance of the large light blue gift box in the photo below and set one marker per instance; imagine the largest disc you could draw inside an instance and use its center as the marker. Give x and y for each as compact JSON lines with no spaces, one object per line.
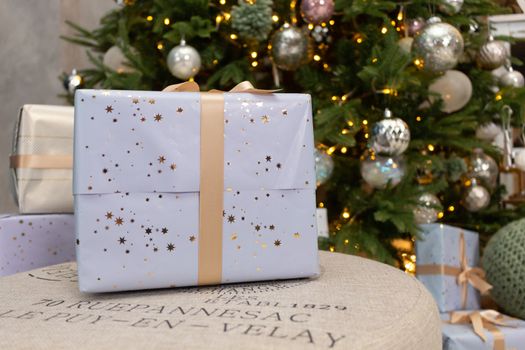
{"x":439,"y":249}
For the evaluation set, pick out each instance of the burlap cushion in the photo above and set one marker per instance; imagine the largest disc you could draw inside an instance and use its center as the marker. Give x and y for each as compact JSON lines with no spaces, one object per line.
{"x":355,"y":304}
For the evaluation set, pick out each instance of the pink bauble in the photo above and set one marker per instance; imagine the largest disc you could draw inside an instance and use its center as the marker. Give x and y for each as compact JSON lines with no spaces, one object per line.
{"x":317,"y":11}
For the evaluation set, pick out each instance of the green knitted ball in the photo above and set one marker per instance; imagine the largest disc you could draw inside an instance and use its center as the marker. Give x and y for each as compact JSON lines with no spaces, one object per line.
{"x":504,"y":263}
{"x":253,"y":19}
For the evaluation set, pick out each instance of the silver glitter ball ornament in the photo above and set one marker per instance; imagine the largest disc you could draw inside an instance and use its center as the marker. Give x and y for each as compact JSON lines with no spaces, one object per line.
{"x":438,"y":46}
{"x":483,"y":168}
{"x":450,"y":7}
{"x":73,"y":81}
{"x":512,"y":78}
{"x":324,"y":166}
{"x":476,"y":198}
{"x":492,"y":54}
{"x":414,"y":25}
{"x":290,"y":48}
{"x":184,"y":61}
{"x":427,"y":209}
{"x":317,"y":11}
{"x":390,"y":136}
{"x":379,"y":171}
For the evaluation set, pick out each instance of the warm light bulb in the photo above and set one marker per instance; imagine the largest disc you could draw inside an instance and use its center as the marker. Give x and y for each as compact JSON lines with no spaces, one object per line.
{"x":451,"y":208}
{"x":350,"y":123}
{"x":321,"y":205}
{"x":384,"y":30}
{"x":430,"y":148}
{"x":218,"y":19}
{"x":222,"y":2}
{"x":254,"y":54}
{"x":233,"y":36}
{"x":440,"y":215}
{"x":227,"y":16}
{"x":344,"y":150}
{"x":149,"y":18}
{"x":331,"y":150}
{"x":317,"y":58}
{"x":255,"y":64}
{"x":310,"y":26}
{"x":365,"y":122}
{"x":418,"y":118}
{"x":160,"y":46}
{"x":167,"y":21}
{"x":499,"y":97}
{"x":345,"y":215}
{"x":332,"y":22}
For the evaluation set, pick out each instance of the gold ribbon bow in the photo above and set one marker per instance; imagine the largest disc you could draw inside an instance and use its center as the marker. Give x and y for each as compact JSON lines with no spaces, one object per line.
{"x":481,"y":320}
{"x":465,"y":275}
{"x":211,"y":176}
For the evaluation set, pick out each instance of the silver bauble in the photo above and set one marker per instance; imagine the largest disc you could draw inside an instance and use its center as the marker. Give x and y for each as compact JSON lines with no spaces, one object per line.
{"x":414,"y":25}
{"x":476,"y":198}
{"x":183,"y":61}
{"x":378,"y":171}
{"x":317,"y":11}
{"x":290,"y":47}
{"x":427,"y":209}
{"x":438,"y":46}
{"x":324,"y":166}
{"x":406,"y":44}
{"x":492,"y":54}
{"x":450,"y":7}
{"x":73,"y":81}
{"x":488,"y":132}
{"x":115,"y":59}
{"x":390,"y":136}
{"x":512,"y":78}
{"x":455,"y":90}
{"x":483,"y":168}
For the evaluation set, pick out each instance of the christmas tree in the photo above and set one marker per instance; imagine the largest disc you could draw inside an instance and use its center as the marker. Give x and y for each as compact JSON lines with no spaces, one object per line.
{"x":399,"y":91}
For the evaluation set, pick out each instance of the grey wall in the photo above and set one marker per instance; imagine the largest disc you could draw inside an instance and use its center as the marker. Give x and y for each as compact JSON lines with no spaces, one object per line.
{"x":32,"y":56}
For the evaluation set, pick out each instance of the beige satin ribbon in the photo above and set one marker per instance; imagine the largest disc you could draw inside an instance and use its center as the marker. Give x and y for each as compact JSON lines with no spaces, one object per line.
{"x":211,"y":177}
{"x":480,"y":320}
{"x":465,"y":275}
{"x":41,"y":161}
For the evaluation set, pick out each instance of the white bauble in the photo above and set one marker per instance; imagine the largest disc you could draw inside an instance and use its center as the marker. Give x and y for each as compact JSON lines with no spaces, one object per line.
{"x":406,"y":44}
{"x":115,"y":59}
{"x":476,"y":198}
{"x":512,"y":78}
{"x":455,"y":89}
{"x":450,"y":7}
{"x":492,"y":54}
{"x":519,"y":159}
{"x":488,"y":132}
{"x":184,"y":61}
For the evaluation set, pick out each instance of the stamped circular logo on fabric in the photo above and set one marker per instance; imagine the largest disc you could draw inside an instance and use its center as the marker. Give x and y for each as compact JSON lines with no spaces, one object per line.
{"x":57,"y":273}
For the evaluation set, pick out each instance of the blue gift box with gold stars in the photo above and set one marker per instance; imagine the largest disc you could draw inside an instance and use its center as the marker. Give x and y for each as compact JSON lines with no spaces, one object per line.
{"x":186,"y":188}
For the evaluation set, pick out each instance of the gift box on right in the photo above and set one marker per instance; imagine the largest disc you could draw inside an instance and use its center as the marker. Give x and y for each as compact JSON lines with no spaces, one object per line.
{"x":447,"y":260}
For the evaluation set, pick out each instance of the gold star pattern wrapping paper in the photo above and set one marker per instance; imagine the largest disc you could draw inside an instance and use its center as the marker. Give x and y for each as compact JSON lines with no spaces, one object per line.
{"x":31,"y":241}
{"x":137,"y":172}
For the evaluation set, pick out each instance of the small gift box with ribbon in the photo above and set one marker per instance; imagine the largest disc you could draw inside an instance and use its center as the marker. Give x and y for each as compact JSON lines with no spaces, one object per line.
{"x":482,"y":329}
{"x":42,"y":159}
{"x":182,"y":188}
{"x":447,"y":259}
{"x":31,"y":241}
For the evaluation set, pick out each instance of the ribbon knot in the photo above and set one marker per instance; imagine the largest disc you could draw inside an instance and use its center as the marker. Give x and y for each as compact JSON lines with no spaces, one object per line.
{"x":481,"y":320}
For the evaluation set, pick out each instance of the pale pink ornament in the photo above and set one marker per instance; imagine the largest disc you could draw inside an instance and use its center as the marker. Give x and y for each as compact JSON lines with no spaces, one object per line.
{"x":317,"y":11}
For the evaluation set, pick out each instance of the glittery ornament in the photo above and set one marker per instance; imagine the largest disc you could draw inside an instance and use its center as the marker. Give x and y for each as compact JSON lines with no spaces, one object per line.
{"x":324,"y":165}
{"x":317,"y":11}
{"x":488,"y":131}
{"x":512,"y":78}
{"x":438,"y":46}
{"x":115,"y":59}
{"x":450,"y":7}
{"x":476,"y":197}
{"x":483,"y":168}
{"x":184,"y":61}
{"x":414,"y":25}
{"x":492,"y":54}
{"x":73,"y":81}
{"x":321,"y":34}
{"x":378,"y":171}
{"x":454,"y":88}
{"x":427,"y":209}
{"x":291,"y":47}
{"x":406,"y":44}
{"x":390,"y":136}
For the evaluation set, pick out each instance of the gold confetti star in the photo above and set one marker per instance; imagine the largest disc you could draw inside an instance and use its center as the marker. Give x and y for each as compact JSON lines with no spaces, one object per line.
{"x":158,"y":117}
{"x":192,"y":238}
{"x":135,"y":101}
{"x":233,"y":236}
{"x":151,"y":101}
{"x":148,"y":231}
{"x":265,"y":119}
{"x":231,"y":219}
{"x":170,"y":247}
{"x":173,"y":166}
{"x":257,"y":228}
{"x":109,"y":215}
{"x":164,"y":230}
{"x":109,"y":109}
{"x":268,"y":158}
{"x":142,"y":119}
{"x":122,"y":240}
{"x":272,"y":227}
{"x":180,"y":110}
{"x":285,"y":112}
{"x":119,"y":221}
{"x":277,"y":243}
{"x":296,"y":235}
{"x":161,"y":159}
